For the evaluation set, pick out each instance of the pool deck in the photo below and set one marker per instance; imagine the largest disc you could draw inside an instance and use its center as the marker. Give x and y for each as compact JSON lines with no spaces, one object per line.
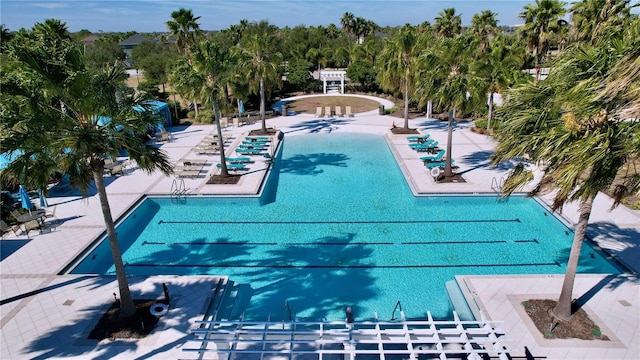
{"x":45,"y":315}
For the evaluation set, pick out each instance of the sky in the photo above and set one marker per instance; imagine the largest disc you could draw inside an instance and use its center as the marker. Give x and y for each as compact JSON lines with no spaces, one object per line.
{"x":151,"y":15}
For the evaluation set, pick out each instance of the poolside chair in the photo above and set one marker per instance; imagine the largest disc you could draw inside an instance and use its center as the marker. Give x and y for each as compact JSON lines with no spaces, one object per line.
{"x":248,"y":151}
{"x":318,"y":112}
{"x":31,"y":225}
{"x":116,"y":169}
{"x":339,"y":111}
{"x":418,"y":138}
{"x":347,"y":111}
{"x":6,"y":227}
{"x":433,"y":158}
{"x":238,"y":160}
{"x":327,"y":111}
{"x":433,"y":164}
{"x":233,"y":166}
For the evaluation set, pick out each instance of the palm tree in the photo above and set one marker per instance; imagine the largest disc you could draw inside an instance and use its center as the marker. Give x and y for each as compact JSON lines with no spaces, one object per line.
{"x":185,"y":28}
{"x":210,"y":61}
{"x":397,"y":64}
{"x":541,"y":24}
{"x":448,"y":24}
{"x":566,"y":125}
{"x":499,"y":69}
{"x":348,"y":23}
{"x":67,"y":138}
{"x":593,"y":19}
{"x":260,"y":64}
{"x":445,"y":76}
{"x":484,"y":27}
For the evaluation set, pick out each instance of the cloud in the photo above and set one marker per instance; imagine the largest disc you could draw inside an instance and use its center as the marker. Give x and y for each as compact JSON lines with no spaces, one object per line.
{"x":50,"y":5}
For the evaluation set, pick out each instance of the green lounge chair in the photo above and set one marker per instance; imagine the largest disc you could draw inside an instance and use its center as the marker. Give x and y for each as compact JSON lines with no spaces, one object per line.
{"x":418,"y":137}
{"x":239,"y":160}
{"x":437,"y":157}
{"x":431,"y":165}
{"x":248,"y":151}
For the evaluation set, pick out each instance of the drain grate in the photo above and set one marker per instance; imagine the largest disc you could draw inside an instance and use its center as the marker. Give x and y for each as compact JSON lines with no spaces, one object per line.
{"x":68,"y":302}
{"x":624,"y":303}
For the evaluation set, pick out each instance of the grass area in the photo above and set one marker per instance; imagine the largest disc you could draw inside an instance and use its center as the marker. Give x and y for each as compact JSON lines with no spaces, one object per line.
{"x":309,"y":105}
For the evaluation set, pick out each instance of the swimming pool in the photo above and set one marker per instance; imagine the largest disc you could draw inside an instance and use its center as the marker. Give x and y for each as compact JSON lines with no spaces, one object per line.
{"x":339,"y":227}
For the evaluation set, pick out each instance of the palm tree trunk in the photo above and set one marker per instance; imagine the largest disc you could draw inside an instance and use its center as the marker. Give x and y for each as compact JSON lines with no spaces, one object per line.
{"x":490,"y":112}
{"x":406,"y":104}
{"x":127,"y":306}
{"x":429,"y":109}
{"x":216,"y":113}
{"x":563,"y":308}
{"x":448,"y":170}
{"x":262,"y":105}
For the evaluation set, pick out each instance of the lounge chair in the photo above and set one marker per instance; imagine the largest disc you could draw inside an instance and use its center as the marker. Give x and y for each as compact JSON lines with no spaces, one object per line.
{"x":187,"y":173}
{"x":31,"y":225}
{"x":258,"y":146}
{"x":6,"y":227}
{"x":116,"y":169}
{"x":248,"y":151}
{"x":233,"y":166}
{"x":51,"y":215}
{"x":200,"y":162}
{"x":164,"y":136}
{"x":418,"y":138}
{"x":339,"y":111}
{"x":238,"y":160}
{"x":432,"y":164}
{"x":347,"y":111}
{"x":327,"y":111}
{"x":318,"y":112}
{"x":433,"y":158}
{"x":431,"y":146}
{"x":258,"y":138}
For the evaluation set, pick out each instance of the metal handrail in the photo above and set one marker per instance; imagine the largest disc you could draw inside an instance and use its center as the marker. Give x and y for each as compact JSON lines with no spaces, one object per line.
{"x":393,"y":314}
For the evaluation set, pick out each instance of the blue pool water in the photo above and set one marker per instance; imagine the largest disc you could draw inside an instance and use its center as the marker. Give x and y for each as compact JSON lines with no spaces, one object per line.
{"x":339,"y":227}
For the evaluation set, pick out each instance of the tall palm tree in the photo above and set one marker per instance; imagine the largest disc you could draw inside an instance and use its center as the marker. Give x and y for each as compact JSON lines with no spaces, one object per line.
{"x":397,"y":64}
{"x":348,"y":23}
{"x":447,"y":24}
{"x":540,"y":27}
{"x":499,"y":69}
{"x":68,"y":138}
{"x":260,"y":64}
{"x":565,"y":125}
{"x":210,"y":61}
{"x":484,"y":27}
{"x":593,"y":19}
{"x":445,"y":76}
{"x":186,"y":30}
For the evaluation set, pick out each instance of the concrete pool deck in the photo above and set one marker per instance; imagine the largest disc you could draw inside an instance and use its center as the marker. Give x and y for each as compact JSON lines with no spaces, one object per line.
{"x":45,"y":315}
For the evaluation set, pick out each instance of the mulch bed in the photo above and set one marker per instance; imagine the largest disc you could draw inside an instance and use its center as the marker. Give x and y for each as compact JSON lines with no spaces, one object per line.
{"x":580,"y":326}
{"x":223,"y":180}
{"x":404,"y":131}
{"x":137,"y":327}
{"x":456,"y":178}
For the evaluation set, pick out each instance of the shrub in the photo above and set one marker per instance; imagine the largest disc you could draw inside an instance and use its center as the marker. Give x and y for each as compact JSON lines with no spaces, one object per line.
{"x":481,"y":123}
{"x":205,"y":116}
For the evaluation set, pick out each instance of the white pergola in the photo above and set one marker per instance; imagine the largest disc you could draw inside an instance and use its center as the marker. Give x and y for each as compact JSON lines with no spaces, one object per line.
{"x":332,"y":75}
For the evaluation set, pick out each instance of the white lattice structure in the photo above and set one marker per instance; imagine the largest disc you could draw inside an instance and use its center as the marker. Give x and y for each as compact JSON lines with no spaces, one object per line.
{"x":332,"y":75}
{"x":338,"y":339}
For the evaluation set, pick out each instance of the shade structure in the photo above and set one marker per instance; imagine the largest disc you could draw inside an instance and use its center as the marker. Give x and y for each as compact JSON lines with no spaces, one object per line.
{"x":24,"y":198}
{"x":43,"y":199}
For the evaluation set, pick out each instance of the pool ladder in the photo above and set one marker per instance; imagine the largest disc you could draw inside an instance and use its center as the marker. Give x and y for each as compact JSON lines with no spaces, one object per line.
{"x":178,"y":190}
{"x":498,"y":186}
